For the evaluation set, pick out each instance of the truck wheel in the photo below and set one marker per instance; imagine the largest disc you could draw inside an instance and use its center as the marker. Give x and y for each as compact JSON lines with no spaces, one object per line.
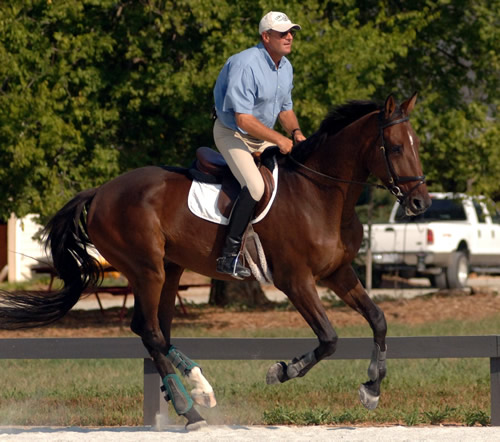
{"x":458,"y":270}
{"x":439,"y":280}
{"x":376,"y":279}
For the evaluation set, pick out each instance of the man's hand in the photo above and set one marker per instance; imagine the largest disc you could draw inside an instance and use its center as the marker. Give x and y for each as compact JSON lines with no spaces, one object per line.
{"x":289,"y":122}
{"x":285,"y":145}
{"x":254,"y":127}
{"x":298,"y":136}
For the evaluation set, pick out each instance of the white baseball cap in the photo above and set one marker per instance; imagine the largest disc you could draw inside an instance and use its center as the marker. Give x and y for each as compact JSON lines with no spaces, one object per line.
{"x":276,"y":21}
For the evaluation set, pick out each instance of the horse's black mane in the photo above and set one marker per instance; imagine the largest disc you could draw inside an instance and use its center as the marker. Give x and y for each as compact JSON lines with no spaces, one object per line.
{"x":338,"y":118}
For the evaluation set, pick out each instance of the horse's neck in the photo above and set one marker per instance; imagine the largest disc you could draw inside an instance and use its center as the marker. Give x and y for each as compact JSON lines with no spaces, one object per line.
{"x":343,"y":156}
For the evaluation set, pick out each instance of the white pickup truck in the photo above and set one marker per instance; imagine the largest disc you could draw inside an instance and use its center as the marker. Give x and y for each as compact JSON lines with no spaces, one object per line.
{"x":455,"y":236}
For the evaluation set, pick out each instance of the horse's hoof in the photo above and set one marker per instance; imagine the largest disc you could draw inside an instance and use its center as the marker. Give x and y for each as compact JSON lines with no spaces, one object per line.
{"x":368,"y":399}
{"x":276,"y":374}
{"x":194,"y":426}
{"x":194,"y":420}
{"x":206,"y":400}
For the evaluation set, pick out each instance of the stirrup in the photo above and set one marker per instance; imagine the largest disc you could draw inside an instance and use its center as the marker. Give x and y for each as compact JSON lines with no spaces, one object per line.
{"x":230,"y":265}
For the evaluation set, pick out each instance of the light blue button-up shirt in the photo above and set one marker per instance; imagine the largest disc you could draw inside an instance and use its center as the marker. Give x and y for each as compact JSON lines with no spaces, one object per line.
{"x":250,"y":83}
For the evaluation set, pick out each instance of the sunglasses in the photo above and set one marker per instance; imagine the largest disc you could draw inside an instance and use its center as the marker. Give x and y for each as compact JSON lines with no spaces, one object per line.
{"x":285,"y":34}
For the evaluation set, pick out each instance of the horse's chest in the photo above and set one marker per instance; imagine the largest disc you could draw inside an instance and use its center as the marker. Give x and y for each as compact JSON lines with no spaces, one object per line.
{"x":341,"y":247}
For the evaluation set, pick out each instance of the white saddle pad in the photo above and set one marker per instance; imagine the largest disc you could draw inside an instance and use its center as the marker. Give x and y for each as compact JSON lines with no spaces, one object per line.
{"x":203,"y":198}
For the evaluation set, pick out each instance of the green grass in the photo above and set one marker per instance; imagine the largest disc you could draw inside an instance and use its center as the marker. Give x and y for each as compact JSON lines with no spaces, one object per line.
{"x":486,"y":326}
{"x":71,"y":392}
{"x":414,"y":392}
{"x":109,"y":392}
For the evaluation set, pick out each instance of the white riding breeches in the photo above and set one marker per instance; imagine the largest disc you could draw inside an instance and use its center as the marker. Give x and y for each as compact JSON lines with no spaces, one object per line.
{"x":237,"y":149}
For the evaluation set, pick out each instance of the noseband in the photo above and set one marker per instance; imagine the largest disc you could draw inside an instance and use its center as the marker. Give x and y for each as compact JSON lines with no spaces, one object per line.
{"x":394,"y":179}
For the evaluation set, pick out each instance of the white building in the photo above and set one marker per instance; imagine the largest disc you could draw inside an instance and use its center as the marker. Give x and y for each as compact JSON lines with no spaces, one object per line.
{"x":18,"y":248}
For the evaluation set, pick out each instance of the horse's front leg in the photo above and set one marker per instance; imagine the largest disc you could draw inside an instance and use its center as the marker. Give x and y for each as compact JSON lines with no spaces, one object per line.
{"x":347,"y":286}
{"x":305,"y":298}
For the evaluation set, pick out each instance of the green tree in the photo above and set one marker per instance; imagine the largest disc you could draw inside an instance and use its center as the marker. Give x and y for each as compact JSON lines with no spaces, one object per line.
{"x":92,"y":88}
{"x":57,"y":128}
{"x":454,"y":63}
{"x":341,"y":56}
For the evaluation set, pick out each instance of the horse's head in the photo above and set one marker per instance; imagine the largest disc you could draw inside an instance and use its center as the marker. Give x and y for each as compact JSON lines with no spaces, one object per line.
{"x":397,"y":162}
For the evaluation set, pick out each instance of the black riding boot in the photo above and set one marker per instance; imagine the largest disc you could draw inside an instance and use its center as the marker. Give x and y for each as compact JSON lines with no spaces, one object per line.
{"x":240,"y":217}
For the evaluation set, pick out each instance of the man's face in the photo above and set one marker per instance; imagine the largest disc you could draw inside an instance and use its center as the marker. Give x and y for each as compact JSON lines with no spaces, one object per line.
{"x":278,"y":44}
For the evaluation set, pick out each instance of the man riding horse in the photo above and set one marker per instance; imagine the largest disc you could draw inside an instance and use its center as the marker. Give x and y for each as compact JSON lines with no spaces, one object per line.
{"x":253,"y":89}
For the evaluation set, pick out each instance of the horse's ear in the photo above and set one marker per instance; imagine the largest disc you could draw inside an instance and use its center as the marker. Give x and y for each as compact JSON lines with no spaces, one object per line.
{"x":409,"y":104}
{"x":390,"y":106}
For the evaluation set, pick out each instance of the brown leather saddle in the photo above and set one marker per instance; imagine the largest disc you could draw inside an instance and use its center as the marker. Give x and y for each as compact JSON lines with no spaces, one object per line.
{"x":210,"y":167}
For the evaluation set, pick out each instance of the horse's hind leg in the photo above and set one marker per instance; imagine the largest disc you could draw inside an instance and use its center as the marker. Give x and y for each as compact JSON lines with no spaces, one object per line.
{"x":202,"y":393}
{"x":347,"y":286}
{"x":148,"y":290}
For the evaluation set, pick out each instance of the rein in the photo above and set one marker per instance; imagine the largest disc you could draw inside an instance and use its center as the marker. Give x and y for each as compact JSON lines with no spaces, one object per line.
{"x":394,"y":178}
{"x":339,"y":180}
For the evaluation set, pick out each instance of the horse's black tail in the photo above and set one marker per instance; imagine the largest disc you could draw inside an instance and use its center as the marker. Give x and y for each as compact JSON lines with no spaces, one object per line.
{"x":67,"y":241}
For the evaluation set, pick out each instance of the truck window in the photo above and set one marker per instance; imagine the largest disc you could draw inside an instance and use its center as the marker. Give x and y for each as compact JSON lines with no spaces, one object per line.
{"x":496,"y":217}
{"x":441,"y":210}
{"x":481,"y":217}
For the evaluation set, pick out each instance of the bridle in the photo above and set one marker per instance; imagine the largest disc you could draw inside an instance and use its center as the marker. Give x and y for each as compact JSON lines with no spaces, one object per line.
{"x":394,"y":179}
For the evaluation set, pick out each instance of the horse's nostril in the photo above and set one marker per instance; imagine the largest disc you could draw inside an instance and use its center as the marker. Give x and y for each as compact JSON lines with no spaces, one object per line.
{"x":417,"y":203}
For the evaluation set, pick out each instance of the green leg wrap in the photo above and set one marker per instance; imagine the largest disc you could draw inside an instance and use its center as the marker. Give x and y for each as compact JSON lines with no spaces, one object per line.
{"x":176,"y":392}
{"x":180,"y":361}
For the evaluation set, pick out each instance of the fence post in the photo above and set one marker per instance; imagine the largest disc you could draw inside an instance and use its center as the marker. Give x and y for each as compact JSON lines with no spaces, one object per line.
{"x":152,"y":396}
{"x":495,"y":391}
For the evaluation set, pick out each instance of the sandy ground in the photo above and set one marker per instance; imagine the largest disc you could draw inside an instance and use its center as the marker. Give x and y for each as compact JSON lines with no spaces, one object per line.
{"x":254,"y":433}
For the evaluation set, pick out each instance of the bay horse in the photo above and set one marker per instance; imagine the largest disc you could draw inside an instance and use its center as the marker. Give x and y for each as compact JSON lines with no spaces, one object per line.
{"x":140,"y":223}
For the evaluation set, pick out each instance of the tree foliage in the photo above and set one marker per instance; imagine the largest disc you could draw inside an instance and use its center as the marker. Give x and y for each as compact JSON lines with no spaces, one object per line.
{"x":92,"y":88}
{"x":454,"y":63}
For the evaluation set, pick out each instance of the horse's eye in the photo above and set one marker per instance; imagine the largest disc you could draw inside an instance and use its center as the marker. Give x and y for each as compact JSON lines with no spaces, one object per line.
{"x":396,"y":148}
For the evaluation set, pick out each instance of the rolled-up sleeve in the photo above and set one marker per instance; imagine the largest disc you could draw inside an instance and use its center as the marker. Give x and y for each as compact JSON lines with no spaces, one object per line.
{"x":241,"y":91}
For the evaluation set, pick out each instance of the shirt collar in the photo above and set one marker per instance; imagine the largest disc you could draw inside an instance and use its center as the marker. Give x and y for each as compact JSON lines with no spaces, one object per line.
{"x":268,"y":58}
